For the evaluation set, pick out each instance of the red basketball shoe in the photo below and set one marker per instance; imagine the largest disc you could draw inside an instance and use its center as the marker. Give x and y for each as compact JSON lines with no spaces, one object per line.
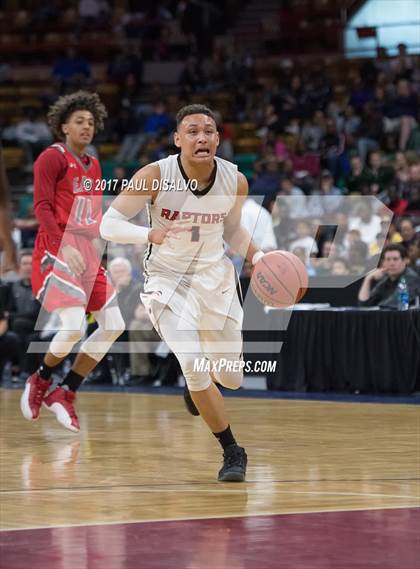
{"x":33,"y":395}
{"x":60,"y":401}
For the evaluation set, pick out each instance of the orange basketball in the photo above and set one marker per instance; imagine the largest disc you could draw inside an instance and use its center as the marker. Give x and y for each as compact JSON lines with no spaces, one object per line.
{"x":279,"y":279}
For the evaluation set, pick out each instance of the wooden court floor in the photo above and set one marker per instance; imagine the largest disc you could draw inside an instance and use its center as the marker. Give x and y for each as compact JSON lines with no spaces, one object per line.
{"x":143,"y":457}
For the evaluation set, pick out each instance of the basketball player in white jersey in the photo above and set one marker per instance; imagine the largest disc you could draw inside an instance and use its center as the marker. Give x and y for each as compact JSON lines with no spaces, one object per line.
{"x":195,"y":201}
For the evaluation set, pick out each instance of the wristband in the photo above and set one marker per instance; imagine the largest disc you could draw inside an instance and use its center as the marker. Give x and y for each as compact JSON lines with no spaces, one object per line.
{"x":256,"y":257}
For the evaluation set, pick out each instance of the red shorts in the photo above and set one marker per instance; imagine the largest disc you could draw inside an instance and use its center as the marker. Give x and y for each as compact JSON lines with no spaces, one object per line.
{"x":55,"y":286}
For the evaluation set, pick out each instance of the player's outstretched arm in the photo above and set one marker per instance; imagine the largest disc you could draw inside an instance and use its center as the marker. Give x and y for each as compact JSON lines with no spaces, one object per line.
{"x":236,"y":236}
{"x":115,"y":225}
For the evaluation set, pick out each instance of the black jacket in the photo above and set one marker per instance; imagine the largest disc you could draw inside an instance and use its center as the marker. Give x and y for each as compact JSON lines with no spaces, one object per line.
{"x":22,"y":303}
{"x":385,"y":293}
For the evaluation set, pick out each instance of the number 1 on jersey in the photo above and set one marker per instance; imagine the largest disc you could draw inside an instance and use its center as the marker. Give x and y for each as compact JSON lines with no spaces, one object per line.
{"x":195,"y":233}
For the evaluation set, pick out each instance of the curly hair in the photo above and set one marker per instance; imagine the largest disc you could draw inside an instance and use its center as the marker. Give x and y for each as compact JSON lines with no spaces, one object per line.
{"x":66,"y":105}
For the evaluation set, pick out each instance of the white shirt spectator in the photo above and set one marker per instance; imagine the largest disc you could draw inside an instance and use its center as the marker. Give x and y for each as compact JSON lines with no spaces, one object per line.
{"x":258,"y":222}
{"x":368,"y":229}
{"x":32,"y":131}
{"x":307,"y":243}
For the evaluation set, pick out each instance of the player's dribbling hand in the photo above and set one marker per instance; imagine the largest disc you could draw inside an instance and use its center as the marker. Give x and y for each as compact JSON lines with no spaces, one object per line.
{"x":169,"y":235}
{"x":73,"y":259}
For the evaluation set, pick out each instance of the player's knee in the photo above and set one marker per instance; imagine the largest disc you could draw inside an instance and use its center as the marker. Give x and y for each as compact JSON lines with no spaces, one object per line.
{"x":110,"y":323}
{"x":64,"y":341}
{"x":117,"y":326}
{"x":231,"y":379}
{"x":227,"y":369}
{"x":195,"y":379}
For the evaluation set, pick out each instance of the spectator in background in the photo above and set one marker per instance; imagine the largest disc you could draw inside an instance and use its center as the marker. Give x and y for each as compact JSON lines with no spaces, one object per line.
{"x":332,"y":148}
{"x":192,"y":77}
{"x":313,"y":131}
{"x":304,"y":239}
{"x":8,"y":260}
{"x":394,"y":201}
{"x":369,"y":132}
{"x":413,"y":188}
{"x":132,"y":310}
{"x":126,"y":70}
{"x":402,"y":65}
{"x":26,"y":223}
{"x":10,"y":348}
{"x":414,"y":203}
{"x":128,"y":292}
{"x":266,"y":177}
{"x":401,"y":113}
{"x":23,"y":310}
{"x":357,"y":257}
{"x":225,"y":148}
{"x":378,"y":175}
{"x":408,"y":232}
{"x":356,"y":180}
{"x":387,"y":235}
{"x":380,"y":287}
{"x":126,"y":131}
{"x":348,"y":123}
{"x":340,"y":266}
{"x":156,"y":123}
{"x":71,"y":71}
{"x":33,"y":135}
{"x":294,"y":196}
{"x":259,"y":224}
{"x":284,"y":227}
{"x":402,"y":172}
{"x":301,"y":254}
{"x":413,"y":253}
{"x":366,"y":222}
{"x":361,"y":93}
{"x":143,"y":337}
{"x":326,"y":199}
{"x":323,"y":262}
{"x":159,"y":121}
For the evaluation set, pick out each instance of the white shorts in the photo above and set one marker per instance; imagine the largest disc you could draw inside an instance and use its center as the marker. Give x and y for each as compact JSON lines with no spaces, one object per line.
{"x":204,"y":300}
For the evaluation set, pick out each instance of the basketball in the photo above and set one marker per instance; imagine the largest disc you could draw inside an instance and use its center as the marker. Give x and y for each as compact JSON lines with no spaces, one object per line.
{"x":279,"y":279}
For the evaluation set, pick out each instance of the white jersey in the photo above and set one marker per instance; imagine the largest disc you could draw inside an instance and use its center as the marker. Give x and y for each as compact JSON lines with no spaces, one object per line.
{"x":205,"y":209}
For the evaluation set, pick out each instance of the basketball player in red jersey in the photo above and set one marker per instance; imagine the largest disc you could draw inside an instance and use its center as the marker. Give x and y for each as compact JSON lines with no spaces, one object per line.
{"x":67,"y":276}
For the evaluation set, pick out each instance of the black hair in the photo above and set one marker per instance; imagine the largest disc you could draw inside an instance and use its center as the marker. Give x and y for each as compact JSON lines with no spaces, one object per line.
{"x":395,"y":247}
{"x":194,"y":110}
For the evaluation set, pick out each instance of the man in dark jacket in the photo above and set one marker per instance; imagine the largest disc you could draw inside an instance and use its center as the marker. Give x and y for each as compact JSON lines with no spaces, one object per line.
{"x":393,"y":268}
{"x":10,"y":350}
{"x":23,"y":310}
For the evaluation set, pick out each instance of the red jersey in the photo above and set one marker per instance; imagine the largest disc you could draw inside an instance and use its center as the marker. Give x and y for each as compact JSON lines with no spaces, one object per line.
{"x":67,"y":193}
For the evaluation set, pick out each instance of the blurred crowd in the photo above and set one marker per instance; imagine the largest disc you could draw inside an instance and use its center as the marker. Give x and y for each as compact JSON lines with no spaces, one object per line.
{"x":319,"y":146}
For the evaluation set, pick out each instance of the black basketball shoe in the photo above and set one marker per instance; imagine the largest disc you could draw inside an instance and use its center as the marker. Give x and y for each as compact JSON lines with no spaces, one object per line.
{"x":234,"y":464}
{"x":189,"y":403}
